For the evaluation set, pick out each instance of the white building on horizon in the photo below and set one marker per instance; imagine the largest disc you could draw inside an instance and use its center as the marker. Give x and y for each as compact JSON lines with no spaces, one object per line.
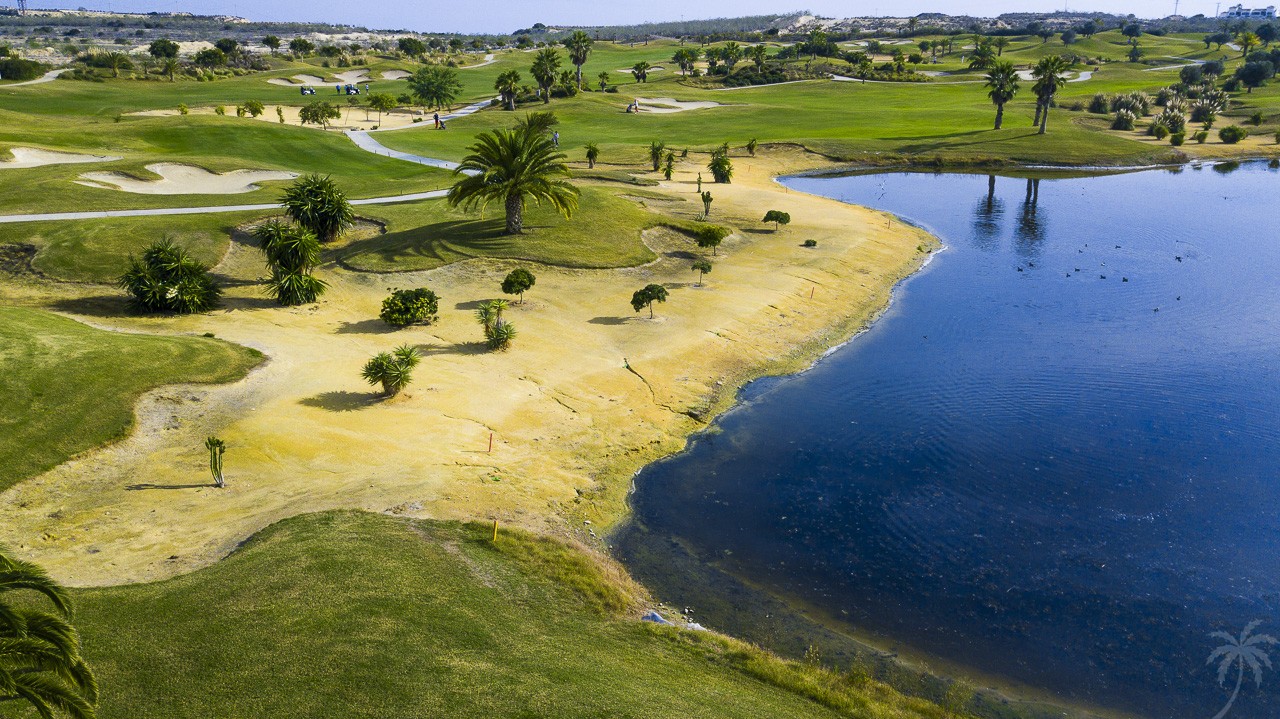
{"x":1240,"y":11}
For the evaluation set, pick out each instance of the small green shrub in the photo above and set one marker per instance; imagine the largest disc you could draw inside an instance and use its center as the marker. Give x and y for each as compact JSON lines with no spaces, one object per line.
{"x":1100,"y":104}
{"x":1256,"y":118}
{"x":1177,"y":138}
{"x":220,"y":111}
{"x":1159,"y":131}
{"x":810,"y":243}
{"x":1201,"y":136}
{"x":1124,"y":120}
{"x":410,"y":307}
{"x":1231,"y":134}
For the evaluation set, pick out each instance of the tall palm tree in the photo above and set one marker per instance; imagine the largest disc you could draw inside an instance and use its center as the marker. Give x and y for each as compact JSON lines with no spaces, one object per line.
{"x":640,"y":71}
{"x":170,"y":67}
{"x":512,"y":166}
{"x":1002,"y":84}
{"x":116,"y":61}
{"x":1240,"y":651}
{"x":579,"y":46}
{"x":508,"y":86}
{"x":40,"y":661}
{"x":546,"y":71}
{"x":1050,"y":77}
{"x":730,"y":53}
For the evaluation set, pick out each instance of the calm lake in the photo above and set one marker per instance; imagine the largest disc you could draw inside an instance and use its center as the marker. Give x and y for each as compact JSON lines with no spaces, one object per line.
{"x":1055,"y":460}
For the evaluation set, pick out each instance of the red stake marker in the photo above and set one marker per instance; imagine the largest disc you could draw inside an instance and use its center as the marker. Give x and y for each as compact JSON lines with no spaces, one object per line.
{"x":491,"y":443}
{"x":811,"y":289}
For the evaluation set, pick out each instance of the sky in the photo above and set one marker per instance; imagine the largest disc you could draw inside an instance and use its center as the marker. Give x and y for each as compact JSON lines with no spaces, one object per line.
{"x":504,"y":16}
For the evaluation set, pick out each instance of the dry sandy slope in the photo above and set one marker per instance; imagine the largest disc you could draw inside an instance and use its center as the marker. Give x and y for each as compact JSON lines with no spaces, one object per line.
{"x":304,"y":433}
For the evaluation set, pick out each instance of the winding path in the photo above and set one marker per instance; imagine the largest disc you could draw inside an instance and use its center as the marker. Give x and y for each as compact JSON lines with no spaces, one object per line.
{"x":47,"y":77}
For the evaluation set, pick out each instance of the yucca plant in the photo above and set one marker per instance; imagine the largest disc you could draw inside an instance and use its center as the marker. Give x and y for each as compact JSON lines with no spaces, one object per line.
{"x":393,"y":370}
{"x":656,"y":150}
{"x":593,"y":154}
{"x":721,"y":167}
{"x":40,"y":661}
{"x":167,"y":279}
{"x":292,"y":253}
{"x":498,"y":332}
{"x":216,"y":449}
{"x":316,"y":203}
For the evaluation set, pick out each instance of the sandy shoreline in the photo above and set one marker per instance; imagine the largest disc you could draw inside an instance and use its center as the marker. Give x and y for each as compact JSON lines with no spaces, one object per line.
{"x":590,"y":393}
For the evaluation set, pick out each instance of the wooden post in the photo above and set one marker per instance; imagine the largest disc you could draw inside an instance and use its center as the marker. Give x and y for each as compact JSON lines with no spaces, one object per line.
{"x":491,"y":443}
{"x":811,"y":290}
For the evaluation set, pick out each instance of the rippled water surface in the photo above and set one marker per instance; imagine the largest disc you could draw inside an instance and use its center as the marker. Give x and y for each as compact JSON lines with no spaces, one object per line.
{"x":1055,"y":459}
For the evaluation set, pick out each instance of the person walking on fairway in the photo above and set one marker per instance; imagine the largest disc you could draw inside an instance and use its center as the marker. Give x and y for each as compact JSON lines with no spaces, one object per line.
{"x":436,"y":117}
{"x":555,"y":138}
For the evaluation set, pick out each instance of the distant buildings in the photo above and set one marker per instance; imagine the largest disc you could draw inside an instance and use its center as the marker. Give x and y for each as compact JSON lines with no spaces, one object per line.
{"x":1258,"y":13}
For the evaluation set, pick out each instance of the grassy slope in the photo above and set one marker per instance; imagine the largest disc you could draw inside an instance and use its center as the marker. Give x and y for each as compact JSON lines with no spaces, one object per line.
{"x":605,"y":232}
{"x":63,"y":389}
{"x":99,"y":250}
{"x":358,"y":615}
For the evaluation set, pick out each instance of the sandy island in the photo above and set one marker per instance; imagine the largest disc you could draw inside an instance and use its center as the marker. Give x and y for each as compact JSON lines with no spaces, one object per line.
{"x":590,"y":392}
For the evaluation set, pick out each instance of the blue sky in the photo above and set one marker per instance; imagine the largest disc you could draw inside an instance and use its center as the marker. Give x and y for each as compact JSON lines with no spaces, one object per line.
{"x":501,"y":16}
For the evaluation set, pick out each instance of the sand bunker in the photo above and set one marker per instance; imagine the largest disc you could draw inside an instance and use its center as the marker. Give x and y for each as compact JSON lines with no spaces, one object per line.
{"x":297,"y":80}
{"x":663,"y":105}
{"x":351,"y":77}
{"x":655,"y":68}
{"x":395,"y":74}
{"x":184,"y":180}
{"x":24,"y":157}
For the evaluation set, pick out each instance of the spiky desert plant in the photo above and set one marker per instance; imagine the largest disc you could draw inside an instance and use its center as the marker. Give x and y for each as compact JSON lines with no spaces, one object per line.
{"x":167,"y":279}
{"x":393,"y":370}
{"x":317,"y":204}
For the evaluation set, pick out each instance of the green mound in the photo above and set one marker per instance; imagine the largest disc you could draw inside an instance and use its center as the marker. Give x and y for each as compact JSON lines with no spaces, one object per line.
{"x":356,"y":615}
{"x":68,"y":387}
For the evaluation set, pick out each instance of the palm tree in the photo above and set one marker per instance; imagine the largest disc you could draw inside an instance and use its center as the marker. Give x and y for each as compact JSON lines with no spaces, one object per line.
{"x":40,"y":661}
{"x":640,"y":71}
{"x":170,"y":67}
{"x":317,"y":204}
{"x":511,"y":166}
{"x":118,"y":60}
{"x":656,"y":148}
{"x":593,"y":154}
{"x":579,"y":46}
{"x":1000,"y":42}
{"x":292,"y":253}
{"x":603,"y":77}
{"x":1050,"y":77}
{"x":1247,"y":41}
{"x":1002,"y":81}
{"x":731,"y":53}
{"x":393,"y":370}
{"x":758,"y":54}
{"x":508,"y":85}
{"x":1240,"y":651}
{"x":546,"y":70}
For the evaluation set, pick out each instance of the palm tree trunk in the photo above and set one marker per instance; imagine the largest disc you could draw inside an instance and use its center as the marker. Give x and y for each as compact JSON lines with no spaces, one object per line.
{"x":999,"y":114}
{"x":515,"y":214}
{"x":579,"y":77}
{"x":1044,"y":119}
{"x":1234,"y":694}
{"x":650,"y":309}
{"x":1039,"y":109}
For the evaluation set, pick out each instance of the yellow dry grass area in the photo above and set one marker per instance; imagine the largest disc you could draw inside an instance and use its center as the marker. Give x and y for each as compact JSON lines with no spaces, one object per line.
{"x":571,"y":423}
{"x":353,"y":118}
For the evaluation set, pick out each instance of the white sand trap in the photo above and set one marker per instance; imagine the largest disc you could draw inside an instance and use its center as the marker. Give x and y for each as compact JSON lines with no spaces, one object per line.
{"x":351,"y":77}
{"x":663,"y":105}
{"x":178,"y":179}
{"x":395,"y":74}
{"x":297,"y":80}
{"x":24,"y":157}
{"x":655,"y":68}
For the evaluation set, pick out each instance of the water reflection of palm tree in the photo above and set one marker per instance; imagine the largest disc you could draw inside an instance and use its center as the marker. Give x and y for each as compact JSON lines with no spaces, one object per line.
{"x":1030,"y":232}
{"x":1243,"y":650}
{"x":986,"y":217}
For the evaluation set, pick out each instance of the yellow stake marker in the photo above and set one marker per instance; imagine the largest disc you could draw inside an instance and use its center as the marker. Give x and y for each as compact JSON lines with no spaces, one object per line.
{"x":495,"y":531}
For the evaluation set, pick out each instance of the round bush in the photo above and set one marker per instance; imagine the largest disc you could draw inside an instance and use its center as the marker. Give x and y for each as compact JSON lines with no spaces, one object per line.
{"x":1160,"y":131}
{"x":1231,"y":134}
{"x":1177,"y":138}
{"x":410,"y":307}
{"x":1100,"y":104}
{"x":1202,"y":136}
{"x":1172,"y":120}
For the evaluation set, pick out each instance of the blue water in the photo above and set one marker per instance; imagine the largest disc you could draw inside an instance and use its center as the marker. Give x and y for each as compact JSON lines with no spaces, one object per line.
{"x":1055,"y":459}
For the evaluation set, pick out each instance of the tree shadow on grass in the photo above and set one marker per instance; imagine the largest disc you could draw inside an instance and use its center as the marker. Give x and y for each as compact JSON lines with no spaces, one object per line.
{"x":680,"y":255}
{"x":759,"y":231}
{"x":472,"y":305}
{"x":461,"y":348}
{"x":342,"y":401}
{"x":96,"y":306}
{"x":366,"y":327}
{"x":612,"y":321}
{"x":147,"y":485}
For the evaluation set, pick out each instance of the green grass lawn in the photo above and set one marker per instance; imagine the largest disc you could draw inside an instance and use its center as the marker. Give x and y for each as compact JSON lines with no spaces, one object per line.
{"x":68,"y":387}
{"x":98,"y":250}
{"x":355,"y":615}
{"x":605,"y":232}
